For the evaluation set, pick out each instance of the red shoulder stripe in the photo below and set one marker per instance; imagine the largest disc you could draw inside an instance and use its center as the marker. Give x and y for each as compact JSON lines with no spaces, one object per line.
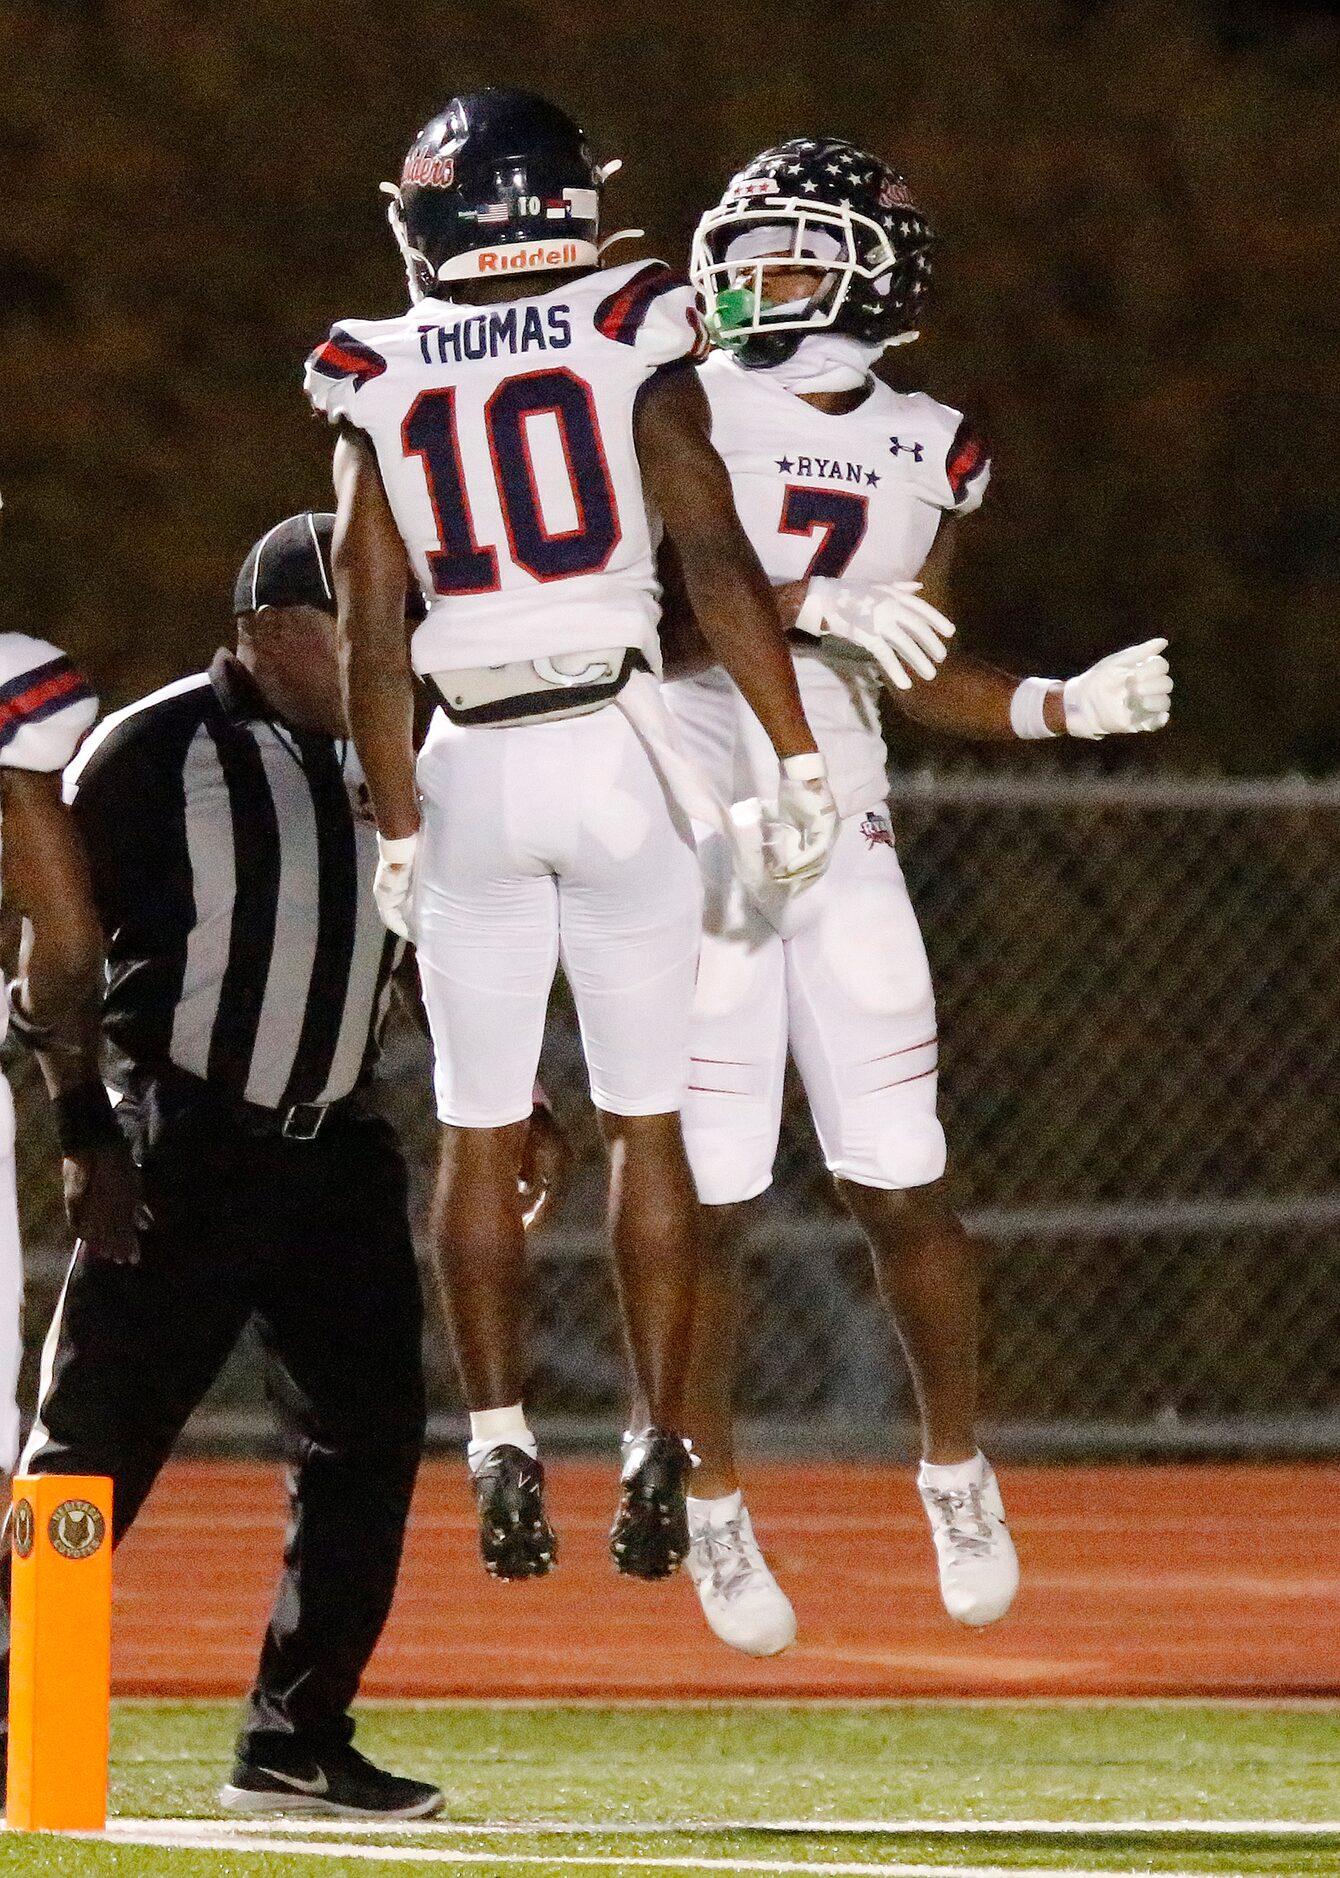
{"x":53,"y":686}
{"x":968,"y":456}
{"x":621,"y":315}
{"x":342,"y":356}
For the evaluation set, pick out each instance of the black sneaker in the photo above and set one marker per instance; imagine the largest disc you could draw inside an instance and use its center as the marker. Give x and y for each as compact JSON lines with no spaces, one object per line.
{"x":515,"y":1537}
{"x":650,"y":1534}
{"x":333,"y":1780}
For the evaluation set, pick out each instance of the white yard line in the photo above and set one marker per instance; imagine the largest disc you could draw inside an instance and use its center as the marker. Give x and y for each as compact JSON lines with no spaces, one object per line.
{"x":458,"y":1855}
{"x":709,"y":1828}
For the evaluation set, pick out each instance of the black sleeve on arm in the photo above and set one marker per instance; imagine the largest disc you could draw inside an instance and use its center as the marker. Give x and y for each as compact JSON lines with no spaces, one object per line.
{"x":131,"y":809}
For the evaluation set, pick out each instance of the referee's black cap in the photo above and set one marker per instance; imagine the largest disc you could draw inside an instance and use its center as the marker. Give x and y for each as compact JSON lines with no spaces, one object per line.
{"x":289,"y":566}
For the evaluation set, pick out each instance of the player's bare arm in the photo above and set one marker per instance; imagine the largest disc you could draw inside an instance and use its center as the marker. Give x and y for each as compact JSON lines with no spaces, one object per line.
{"x":723,"y":581}
{"x":368,"y":559}
{"x":961,"y":695}
{"x":46,"y":880}
{"x":370,"y":570}
{"x":972,"y":699}
{"x":942,"y":687}
{"x":58,"y":1005}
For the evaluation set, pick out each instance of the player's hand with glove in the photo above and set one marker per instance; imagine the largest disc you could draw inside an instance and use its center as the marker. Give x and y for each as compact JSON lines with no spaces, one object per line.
{"x":393,"y":883}
{"x":903,"y":633}
{"x":1127,"y":691}
{"x":799,"y":829}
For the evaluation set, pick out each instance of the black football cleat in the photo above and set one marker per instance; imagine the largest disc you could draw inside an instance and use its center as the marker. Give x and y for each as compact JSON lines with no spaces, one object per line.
{"x":650,"y":1534}
{"x":331,"y":1780}
{"x":515,"y":1537}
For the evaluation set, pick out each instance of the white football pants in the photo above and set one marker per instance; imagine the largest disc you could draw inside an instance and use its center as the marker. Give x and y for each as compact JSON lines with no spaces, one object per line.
{"x":846,"y":985}
{"x":548,"y":842}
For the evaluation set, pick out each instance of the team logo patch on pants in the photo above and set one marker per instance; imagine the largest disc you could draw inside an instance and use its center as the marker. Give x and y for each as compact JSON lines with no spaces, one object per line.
{"x":877,"y":829}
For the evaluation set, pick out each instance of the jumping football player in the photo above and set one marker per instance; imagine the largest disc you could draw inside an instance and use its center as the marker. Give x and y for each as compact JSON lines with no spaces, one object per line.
{"x":510,"y":434}
{"x":814,"y":262}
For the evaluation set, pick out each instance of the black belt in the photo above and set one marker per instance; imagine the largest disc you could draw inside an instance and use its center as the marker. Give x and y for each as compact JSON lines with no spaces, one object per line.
{"x":301,"y":1121}
{"x":554,"y":701}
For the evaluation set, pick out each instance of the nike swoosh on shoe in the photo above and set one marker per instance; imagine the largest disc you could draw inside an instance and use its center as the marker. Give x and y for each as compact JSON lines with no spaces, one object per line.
{"x":315,"y":1787}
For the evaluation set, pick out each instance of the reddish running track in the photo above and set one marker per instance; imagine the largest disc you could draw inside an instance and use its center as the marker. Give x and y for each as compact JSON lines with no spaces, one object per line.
{"x":1136,"y":1581}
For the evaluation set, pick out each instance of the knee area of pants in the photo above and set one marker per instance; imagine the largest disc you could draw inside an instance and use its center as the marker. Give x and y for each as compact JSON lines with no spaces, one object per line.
{"x":722,"y":1175}
{"x":912,"y":1155}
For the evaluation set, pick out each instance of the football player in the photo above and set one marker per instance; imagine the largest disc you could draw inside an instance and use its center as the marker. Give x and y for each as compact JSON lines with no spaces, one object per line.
{"x":53,"y":1007}
{"x":513,"y":434}
{"x":815,"y":261}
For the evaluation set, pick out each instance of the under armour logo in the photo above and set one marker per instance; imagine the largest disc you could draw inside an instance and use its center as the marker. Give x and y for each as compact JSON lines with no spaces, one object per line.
{"x":896,"y":445}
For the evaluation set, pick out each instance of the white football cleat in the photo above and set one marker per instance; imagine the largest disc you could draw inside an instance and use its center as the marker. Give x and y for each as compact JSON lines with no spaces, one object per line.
{"x":743,"y":1603}
{"x":979,"y":1568}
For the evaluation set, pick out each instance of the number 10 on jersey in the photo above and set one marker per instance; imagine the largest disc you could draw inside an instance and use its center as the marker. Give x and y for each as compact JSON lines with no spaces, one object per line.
{"x":462,"y":563}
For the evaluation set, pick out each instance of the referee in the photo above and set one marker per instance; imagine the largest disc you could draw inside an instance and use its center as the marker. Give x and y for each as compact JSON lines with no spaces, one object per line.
{"x":232,"y":852}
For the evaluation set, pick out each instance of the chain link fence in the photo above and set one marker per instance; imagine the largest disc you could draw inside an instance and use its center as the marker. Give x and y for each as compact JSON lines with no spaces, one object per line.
{"x":1140,"y":1005}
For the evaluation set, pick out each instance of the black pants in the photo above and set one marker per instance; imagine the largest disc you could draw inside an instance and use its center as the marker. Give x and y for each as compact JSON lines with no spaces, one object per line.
{"x":312,"y":1239}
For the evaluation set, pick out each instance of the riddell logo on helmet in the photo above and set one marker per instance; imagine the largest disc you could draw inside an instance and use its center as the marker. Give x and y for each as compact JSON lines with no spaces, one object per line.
{"x":429,"y":172}
{"x":544,"y":254}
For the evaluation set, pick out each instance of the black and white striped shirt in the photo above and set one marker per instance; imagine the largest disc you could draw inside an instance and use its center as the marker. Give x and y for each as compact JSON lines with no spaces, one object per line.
{"x":232,"y":860}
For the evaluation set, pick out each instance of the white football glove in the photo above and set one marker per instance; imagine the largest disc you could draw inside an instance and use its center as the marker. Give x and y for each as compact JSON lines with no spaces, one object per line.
{"x":799,"y":829}
{"x":393,"y":883}
{"x":1127,"y":691}
{"x":902,"y":632}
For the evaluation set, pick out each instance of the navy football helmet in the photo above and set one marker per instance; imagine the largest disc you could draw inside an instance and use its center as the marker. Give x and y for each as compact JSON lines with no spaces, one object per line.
{"x":815,"y":201}
{"x":499,"y":182}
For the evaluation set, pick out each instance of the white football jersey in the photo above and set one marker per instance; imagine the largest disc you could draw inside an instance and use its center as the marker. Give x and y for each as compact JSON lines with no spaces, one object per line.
{"x":45,"y":705}
{"x":861,"y":496}
{"x":504,"y":435}
{"x":45,"y":708}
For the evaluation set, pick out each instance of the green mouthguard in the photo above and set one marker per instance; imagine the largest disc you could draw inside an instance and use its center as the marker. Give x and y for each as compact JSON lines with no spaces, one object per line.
{"x":732,"y":316}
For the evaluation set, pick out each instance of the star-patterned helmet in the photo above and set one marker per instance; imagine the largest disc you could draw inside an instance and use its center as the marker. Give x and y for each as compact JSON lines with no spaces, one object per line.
{"x":812,"y":201}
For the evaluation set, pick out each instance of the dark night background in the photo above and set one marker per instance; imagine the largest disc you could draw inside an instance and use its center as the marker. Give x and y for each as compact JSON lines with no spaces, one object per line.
{"x":1136,"y":293}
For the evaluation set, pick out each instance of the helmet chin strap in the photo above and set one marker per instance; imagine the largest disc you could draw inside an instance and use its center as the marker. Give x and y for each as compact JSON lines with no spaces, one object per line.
{"x":624,"y":234}
{"x":418,"y":268}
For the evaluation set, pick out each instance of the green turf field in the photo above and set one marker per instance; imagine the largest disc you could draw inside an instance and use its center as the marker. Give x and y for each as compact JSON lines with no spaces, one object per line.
{"x":570,"y":1790}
